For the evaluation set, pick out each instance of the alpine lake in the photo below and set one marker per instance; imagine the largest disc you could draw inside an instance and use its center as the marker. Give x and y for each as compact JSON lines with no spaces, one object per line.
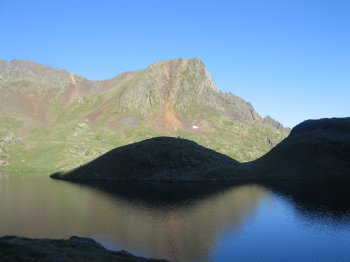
{"x":282,"y":221}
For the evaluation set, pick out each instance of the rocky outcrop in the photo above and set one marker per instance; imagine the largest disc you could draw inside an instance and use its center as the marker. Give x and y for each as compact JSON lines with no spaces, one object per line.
{"x":77,"y":249}
{"x":269,"y":121}
{"x":185,"y":83}
{"x":4,"y":163}
{"x":155,"y":159}
{"x":22,"y":76}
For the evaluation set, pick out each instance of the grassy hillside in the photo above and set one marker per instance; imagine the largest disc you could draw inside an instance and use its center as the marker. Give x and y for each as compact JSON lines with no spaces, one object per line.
{"x":74,"y":120}
{"x":62,"y":146}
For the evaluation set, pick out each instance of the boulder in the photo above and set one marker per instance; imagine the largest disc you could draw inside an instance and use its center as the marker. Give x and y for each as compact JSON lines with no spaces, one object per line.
{"x":4,"y":163}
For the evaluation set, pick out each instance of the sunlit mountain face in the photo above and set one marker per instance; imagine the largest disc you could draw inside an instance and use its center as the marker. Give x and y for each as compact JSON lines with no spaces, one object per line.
{"x":53,"y":120}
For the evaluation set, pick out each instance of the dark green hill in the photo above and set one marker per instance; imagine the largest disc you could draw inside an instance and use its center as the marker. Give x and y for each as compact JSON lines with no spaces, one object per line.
{"x":315,"y":150}
{"x":156,"y":159}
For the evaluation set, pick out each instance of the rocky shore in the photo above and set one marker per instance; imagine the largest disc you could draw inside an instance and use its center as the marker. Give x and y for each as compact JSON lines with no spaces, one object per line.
{"x":74,"y":249}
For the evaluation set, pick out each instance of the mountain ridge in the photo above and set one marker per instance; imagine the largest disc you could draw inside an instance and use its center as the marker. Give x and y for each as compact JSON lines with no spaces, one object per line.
{"x":174,"y":98}
{"x":75,"y":85}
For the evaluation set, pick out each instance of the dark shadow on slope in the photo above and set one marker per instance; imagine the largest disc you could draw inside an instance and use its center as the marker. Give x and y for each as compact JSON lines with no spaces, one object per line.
{"x":156,"y":159}
{"x":315,"y":150}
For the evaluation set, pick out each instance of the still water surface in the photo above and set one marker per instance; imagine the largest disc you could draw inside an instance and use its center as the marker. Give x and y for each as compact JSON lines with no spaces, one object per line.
{"x":186,"y":222}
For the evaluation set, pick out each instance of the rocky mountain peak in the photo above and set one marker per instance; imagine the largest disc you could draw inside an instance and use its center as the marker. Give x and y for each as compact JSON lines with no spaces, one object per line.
{"x":175,"y":82}
{"x":188,"y":74}
{"x":23,"y":76}
{"x":175,"y":88}
{"x":187,"y":83}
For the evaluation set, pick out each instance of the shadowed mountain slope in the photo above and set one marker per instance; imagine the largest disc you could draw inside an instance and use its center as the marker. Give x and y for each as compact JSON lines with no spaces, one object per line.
{"x":81,"y":119}
{"x":156,"y":159}
{"x":315,"y":150}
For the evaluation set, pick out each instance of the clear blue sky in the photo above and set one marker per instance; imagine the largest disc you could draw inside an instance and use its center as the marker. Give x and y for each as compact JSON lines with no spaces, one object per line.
{"x":290,"y":59}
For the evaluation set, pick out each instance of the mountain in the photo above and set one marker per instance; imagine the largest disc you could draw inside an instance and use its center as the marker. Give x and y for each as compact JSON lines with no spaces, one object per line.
{"x":51,"y":119}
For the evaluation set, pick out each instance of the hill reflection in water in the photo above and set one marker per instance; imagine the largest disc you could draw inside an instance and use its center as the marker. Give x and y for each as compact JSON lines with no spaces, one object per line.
{"x":189,"y":221}
{"x":177,"y":221}
{"x":180,"y":222}
{"x":325,"y":202}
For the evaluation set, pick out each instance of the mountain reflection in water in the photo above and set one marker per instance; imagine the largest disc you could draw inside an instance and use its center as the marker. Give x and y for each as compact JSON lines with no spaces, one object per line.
{"x":182,"y":222}
{"x":324,"y":202}
{"x":178,"y":221}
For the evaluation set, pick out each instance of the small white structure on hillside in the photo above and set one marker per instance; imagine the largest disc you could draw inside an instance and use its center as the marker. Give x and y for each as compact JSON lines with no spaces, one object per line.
{"x":194,"y":127}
